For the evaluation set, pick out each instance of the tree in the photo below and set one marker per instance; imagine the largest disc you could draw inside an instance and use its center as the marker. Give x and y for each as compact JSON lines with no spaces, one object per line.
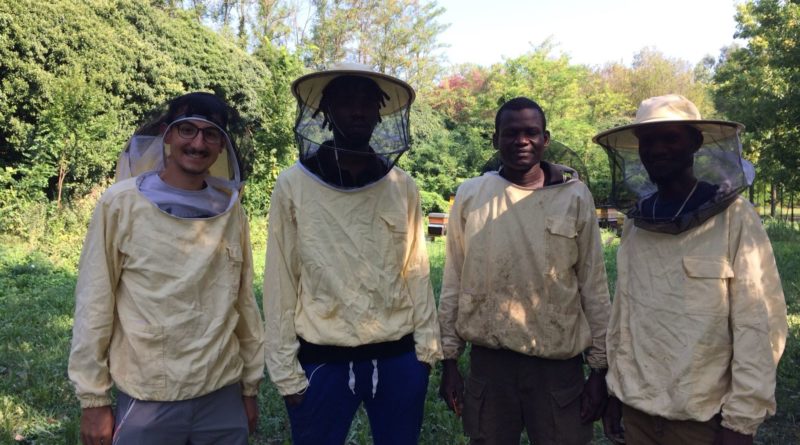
{"x":757,"y":85}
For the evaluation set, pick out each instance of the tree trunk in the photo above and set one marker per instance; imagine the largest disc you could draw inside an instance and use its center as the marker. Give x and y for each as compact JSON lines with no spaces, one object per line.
{"x":773,"y":197}
{"x":62,"y":173}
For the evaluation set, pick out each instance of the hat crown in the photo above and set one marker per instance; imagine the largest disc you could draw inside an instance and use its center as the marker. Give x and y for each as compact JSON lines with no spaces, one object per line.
{"x":672,"y":107}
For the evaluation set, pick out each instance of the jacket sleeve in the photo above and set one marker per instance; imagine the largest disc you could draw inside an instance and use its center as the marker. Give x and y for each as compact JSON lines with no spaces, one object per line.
{"x":416,"y":272}
{"x":452,"y":344}
{"x":281,"y":281}
{"x":592,"y":281}
{"x":758,"y":324}
{"x":249,"y":329}
{"x":98,"y":273}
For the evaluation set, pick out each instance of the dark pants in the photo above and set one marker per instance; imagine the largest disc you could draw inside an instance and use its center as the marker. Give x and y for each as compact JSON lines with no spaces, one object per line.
{"x":215,"y":418}
{"x":507,"y":391}
{"x":392,"y":390}
{"x":644,"y":429}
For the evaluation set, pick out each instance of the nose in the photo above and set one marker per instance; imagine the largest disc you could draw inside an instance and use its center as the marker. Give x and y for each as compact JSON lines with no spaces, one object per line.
{"x":198,"y":141}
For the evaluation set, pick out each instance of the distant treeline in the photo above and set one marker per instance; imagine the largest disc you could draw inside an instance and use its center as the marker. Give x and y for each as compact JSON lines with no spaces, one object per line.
{"x":77,"y":77}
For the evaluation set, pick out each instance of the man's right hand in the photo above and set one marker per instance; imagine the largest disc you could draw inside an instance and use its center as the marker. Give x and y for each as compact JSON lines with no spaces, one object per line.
{"x":294,"y":399}
{"x":452,"y":387}
{"x":97,"y":425}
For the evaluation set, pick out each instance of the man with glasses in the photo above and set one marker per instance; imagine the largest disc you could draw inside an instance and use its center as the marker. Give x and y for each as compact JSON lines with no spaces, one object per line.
{"x":164,"y":309}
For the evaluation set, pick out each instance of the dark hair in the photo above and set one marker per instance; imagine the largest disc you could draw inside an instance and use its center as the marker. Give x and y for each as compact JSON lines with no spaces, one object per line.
{"x":207,"y":105}
{"x":347,"y":83}
{"x":516,"y":104}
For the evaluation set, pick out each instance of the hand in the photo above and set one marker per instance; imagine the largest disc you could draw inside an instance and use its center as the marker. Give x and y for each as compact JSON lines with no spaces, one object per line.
{"x":452,"y":387}
{"x":294,"y":399}
{"x":97,"y":425}
{"x":730,"y":437}
{"x":251,"y":410}
{"x":594,"y":397}
{"x":612,"y":421}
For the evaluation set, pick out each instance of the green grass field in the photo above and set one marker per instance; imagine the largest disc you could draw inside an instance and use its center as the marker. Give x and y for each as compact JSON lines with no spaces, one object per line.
{"x":37,"y":405}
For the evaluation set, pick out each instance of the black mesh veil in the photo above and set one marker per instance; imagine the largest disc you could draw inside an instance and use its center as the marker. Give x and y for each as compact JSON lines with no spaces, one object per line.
{"x":717,"y":165}
{"x":315,"y":128}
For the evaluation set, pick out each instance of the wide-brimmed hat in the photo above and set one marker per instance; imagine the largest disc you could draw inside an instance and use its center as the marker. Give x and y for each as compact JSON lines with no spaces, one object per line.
{"x":671,"y":108}
{"x":308,"y":89}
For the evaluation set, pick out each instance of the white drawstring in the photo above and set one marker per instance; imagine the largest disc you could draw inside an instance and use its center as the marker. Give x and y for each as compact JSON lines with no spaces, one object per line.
{"x":309,"y":379}
{"x":115,"y":436}
{"x":374,"y":377}
{"x":352,"y":382}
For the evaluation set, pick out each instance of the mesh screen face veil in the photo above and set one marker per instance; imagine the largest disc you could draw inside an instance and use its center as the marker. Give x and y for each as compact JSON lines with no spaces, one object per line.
{"x":147,"y":151}
{"x":717,"y":165}
{"x":352,"y":124}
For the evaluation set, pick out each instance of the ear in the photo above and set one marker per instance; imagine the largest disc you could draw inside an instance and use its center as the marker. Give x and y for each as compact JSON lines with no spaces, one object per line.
{"x":546,"y":138}
{"x":494,"y":141}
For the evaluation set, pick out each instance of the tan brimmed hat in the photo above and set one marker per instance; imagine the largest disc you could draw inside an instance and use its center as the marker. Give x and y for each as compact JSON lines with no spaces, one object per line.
{"x":308,"y":88}
{"x":671,"y":108}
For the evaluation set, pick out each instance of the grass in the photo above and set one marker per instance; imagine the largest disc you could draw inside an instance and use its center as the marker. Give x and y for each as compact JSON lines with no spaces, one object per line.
{"x":37,"y":405}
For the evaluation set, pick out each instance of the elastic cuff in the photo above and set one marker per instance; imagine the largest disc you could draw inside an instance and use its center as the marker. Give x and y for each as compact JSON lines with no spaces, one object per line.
{"x":92,"y":401}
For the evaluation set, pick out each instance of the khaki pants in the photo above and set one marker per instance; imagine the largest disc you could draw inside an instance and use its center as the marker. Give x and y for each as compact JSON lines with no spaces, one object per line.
{"x":507,"y":391}
{"x":644,"y":429}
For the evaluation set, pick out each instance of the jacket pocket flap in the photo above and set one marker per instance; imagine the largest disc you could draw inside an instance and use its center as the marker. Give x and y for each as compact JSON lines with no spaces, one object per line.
{"x":564,"y":397}
{"x":707,"y":267}
{"x":396,"y":222}
{"x":562,"y":227}
{"x":235,"y":253}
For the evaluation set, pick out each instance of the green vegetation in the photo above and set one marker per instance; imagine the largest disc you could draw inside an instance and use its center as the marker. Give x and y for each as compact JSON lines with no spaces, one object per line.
{"x":77,"y":77}
{"x":37,"y":404}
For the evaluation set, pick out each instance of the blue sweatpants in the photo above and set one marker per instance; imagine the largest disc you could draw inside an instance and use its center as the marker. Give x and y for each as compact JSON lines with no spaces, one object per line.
{"x":392,"y":390}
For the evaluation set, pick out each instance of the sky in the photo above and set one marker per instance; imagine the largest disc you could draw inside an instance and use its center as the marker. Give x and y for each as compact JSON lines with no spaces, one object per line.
{"x":590,"y":32}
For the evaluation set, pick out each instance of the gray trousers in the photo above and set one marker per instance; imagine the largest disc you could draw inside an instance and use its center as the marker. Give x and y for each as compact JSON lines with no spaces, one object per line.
{"x":215,"y":418}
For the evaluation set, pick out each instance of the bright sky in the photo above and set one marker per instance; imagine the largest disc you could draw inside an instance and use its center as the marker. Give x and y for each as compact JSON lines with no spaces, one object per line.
{"x":590,"y":32}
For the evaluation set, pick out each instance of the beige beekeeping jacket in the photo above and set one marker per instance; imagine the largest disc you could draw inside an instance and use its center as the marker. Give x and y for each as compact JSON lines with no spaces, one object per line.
{"x":164,"y":306}
{"x":524,"y":271}
{"x":344,"y":268}
{"x":699,"y":321}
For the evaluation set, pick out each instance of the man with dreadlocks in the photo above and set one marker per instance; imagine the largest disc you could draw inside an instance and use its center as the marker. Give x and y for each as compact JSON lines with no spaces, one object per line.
{"x":350,"y":314}
{"x":698,"y":322}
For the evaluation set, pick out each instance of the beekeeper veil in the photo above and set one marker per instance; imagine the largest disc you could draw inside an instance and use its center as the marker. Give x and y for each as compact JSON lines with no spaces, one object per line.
{"x":715,"y":159}
{"x":352,"y":123}
{"x":146,"y":150}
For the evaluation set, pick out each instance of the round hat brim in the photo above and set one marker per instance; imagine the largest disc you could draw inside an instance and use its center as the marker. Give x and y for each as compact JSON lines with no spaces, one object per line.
{"x":308,"y":88}
{"x":623,"y":137}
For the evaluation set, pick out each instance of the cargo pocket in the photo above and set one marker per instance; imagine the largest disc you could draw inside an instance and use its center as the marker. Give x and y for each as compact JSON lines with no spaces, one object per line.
{"x":235,"y":260}
{"x":561,"y":244}
{"x":146,"y":357}
{"x":568,"y":429}
{"x":473,"y":405}
{"x":706,"y":286}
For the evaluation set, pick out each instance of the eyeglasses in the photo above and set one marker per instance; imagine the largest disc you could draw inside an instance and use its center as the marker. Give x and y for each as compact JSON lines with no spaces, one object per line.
{"x":212,"y":135}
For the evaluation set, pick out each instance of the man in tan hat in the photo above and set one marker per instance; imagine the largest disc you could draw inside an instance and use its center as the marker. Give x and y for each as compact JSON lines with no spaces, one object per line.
{"x":698,"y":322}
{"x":350,"y":314}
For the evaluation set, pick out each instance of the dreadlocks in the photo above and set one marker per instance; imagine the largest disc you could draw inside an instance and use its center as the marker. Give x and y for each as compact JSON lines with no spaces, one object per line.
{"x":341,"y":87}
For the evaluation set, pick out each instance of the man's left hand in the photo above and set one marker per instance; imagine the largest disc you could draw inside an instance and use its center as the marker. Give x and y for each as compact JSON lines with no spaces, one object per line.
{"x":593,"y":398}
{"x":731,"y":437}
{"x":251,"y":410}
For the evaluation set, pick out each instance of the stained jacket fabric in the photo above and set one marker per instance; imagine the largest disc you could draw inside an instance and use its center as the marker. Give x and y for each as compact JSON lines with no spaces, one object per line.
{"x":164,"y":305}
{"x":698,"y":321}
{"x":524,"y":271}
{"x":345,"y":268}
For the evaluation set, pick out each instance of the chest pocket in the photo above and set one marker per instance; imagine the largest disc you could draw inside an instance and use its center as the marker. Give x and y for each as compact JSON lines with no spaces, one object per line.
{"x":397,"y":226}
{"x":706,"y":285}
{"x":561,"y":244}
